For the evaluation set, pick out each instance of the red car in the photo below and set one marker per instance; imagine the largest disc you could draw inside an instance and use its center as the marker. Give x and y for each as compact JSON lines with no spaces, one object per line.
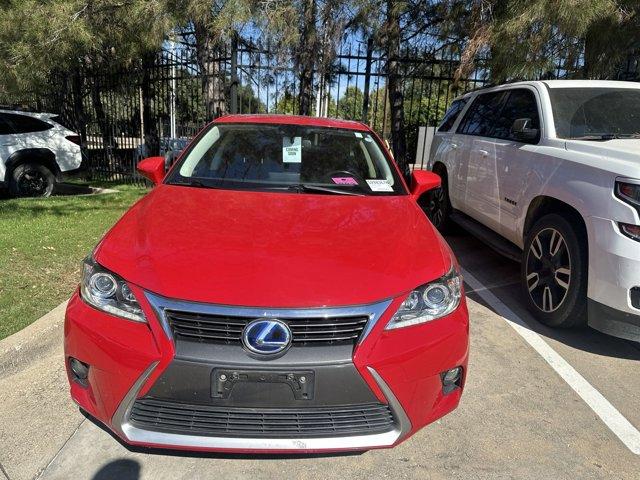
{"x":279,"y":290}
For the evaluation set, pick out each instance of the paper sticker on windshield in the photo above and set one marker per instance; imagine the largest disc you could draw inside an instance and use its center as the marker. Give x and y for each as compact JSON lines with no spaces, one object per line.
{"x":344,"y":180}
{"x":292,"y":149}
{"x":379,"y":186}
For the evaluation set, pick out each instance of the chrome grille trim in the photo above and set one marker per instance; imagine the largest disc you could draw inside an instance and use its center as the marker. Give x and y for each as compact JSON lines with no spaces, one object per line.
{"x":123,"y":427}
{"x":162,"y":304}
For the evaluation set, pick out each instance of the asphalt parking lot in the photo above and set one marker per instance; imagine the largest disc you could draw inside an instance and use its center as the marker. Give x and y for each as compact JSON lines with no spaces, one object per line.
{"x":539,"y":403}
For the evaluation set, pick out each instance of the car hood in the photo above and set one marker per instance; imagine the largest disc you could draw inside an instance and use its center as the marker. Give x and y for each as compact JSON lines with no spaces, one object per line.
{"x":622,"y":155}
{"x":269,"y":249}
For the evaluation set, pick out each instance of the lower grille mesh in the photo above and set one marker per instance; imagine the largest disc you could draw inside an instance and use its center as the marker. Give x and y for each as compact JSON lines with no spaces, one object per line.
{"x":172,"y":417}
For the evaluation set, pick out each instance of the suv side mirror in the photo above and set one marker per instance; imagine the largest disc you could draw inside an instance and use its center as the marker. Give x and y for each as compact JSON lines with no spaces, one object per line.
{"x":422,"y":181}
{"x":521,"y":130}
{"x":152,"y":168}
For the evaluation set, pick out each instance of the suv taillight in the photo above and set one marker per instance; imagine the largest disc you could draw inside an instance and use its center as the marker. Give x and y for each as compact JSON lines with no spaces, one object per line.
{"x":74,"y":139}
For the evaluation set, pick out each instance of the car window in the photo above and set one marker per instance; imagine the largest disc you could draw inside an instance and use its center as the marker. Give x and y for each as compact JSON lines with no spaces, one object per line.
{"x":596,"y":112}
{"x":5,"y":126}
{"x":521,"y":103}
{"x":288,"y":157}
{"x":26,"y":124}
{"x":482,"y":114}
{"x":452,"y":114}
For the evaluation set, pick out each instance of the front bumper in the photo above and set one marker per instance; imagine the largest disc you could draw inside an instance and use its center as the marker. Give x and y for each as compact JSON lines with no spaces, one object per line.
{"x":131,"y":361}
{"x":614,"y":270}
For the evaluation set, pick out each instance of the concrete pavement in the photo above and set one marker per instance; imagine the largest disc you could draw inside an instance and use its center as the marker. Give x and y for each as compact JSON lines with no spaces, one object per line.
{"x":518,"y":418}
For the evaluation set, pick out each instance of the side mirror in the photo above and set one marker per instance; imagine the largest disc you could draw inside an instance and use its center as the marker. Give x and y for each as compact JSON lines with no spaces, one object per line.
{"x":521,"y":130}
{"x":422,"y":181}
{"x":152,"y":168}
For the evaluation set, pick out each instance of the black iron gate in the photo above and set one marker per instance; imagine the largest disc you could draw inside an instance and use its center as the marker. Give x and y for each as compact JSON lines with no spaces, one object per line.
{"x":124,"y":114}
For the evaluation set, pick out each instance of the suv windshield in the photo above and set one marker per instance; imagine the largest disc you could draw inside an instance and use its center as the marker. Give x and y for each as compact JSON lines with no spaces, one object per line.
{"x":287,"y":157}
{"x":596,"y":113}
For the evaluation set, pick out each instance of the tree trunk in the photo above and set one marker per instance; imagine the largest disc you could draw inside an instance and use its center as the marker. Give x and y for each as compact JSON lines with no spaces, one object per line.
{"x":78,"y":116}
{"x":306,"y":56}
{"x":101,"y":119}
{"x":149,"y":123}
{"x":208,"y":47}
{"x":394,"y":86}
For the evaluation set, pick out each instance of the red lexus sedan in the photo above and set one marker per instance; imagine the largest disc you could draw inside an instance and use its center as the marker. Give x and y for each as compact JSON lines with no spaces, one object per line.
{"x":279,"y":290}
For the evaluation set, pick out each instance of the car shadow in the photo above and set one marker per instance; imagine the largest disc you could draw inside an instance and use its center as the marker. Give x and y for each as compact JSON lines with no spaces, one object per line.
{"x":211,"y":455}
{"x":121,"y":469}
{"x":582,"y":338}
{"x":501,"y":277}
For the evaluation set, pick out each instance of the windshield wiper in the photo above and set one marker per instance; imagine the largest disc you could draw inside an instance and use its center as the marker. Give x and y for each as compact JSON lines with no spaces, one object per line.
{"x":191,"y":183}
{"x":607,"y":136}
{"x":306,"y":187}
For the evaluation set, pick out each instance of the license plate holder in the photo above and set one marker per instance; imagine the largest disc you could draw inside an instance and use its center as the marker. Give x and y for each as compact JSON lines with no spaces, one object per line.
{"x":301,"y":382}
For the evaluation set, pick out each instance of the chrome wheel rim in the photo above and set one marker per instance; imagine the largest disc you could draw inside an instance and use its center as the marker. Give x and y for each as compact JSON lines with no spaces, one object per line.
{"x":548,"y":270}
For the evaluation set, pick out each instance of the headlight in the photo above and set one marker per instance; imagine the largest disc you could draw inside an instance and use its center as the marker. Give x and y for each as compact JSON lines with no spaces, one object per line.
{"x":108,"y":292}
{"x":629,"y":192}
{"x":430,"y":301}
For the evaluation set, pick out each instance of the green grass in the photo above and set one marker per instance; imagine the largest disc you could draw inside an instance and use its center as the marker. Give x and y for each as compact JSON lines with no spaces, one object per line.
{"x":42,"y":244}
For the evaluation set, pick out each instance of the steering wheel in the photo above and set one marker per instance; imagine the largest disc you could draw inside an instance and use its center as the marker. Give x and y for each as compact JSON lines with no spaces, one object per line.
{"x":343,"y":173}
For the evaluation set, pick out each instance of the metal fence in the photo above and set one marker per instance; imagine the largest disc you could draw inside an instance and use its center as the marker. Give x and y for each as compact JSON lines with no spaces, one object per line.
{"x":172,"y":94}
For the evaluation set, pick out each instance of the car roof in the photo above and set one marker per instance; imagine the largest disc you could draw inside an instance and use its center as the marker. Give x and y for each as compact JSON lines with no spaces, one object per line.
{"x":590,"y":84}
{"x":294,"y":120}
{"x":29,"y":114}
{"x":554,"y":84}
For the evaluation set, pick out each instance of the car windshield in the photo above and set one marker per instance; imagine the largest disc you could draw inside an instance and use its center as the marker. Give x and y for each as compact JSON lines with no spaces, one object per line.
{"x":596,"y":113}
{"x":287,"y":157}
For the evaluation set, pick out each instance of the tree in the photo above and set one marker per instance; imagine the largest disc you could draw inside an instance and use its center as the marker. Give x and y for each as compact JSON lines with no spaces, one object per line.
{"x":349,"y":106}
{"x":309,"y":32}
{"x":207,"y":27}
{"x":49,"y":43}
{"x":527,"y":39}
{"x":286,"y":104}
{"x":392,"y":33}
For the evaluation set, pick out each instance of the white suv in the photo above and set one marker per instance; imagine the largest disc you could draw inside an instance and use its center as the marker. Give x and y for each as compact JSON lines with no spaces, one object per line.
{"x":34,"y":151}
{"x":548,"y":173}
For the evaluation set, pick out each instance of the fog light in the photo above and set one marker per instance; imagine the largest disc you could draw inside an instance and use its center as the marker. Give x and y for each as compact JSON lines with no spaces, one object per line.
{"x":79,"y":370}
{"x":451,"y":379}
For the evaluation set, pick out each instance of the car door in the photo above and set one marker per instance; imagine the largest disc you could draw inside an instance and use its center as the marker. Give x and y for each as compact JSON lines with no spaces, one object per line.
{"x":476,"y":149}
{"x":515,"y":156}
{"x":445,"y":148}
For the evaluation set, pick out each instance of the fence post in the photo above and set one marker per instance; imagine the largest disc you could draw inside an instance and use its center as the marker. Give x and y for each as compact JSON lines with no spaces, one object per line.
{"x":367,"y":80}
{"x":234,"y":75}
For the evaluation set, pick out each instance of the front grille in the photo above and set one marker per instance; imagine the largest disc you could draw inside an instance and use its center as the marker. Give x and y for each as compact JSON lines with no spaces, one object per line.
{"x":206,"y":420}
{"x":228,"y":330}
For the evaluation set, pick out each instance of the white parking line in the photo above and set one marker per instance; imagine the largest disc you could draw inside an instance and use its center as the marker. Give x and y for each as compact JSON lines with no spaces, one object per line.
{"x":617,"y":423}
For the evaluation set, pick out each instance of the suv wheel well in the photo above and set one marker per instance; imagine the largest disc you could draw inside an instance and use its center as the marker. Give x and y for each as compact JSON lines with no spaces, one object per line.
{"x":38,"y":155}
{"x":542,"y":205}
{"x":440,"y":169}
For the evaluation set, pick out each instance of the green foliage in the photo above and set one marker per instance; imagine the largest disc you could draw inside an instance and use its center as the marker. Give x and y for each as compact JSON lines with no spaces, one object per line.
{"x":44,"y":36}
{"x":350,"y":104}
{"x":528,"y":38}
{"x":286,"y":104}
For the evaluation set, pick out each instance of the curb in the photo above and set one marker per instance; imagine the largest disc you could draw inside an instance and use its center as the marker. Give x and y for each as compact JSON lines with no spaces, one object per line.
{"x":19,"y":349}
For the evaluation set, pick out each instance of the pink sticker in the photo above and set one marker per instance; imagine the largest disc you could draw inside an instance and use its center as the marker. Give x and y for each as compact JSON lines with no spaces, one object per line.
{"x":344,"y":180}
